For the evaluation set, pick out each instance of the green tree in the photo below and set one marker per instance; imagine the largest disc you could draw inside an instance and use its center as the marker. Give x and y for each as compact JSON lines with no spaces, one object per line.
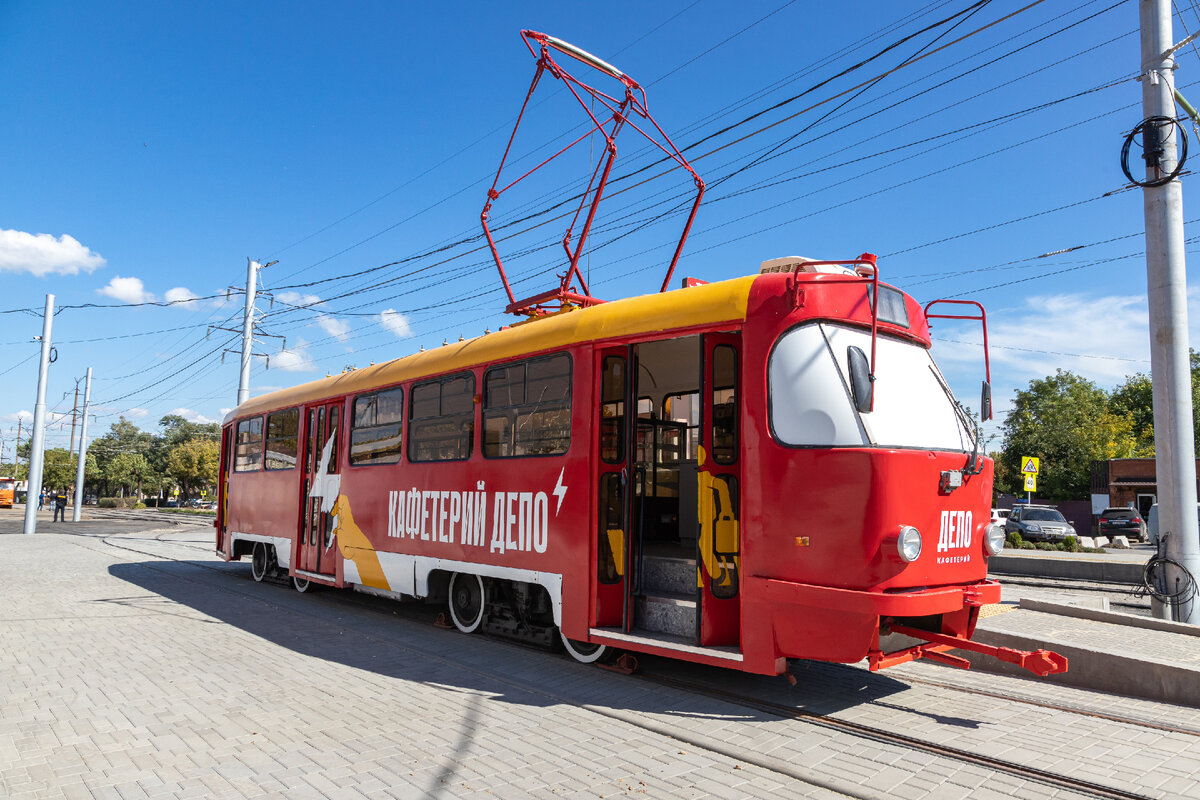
{"x":177,"y":430}
{"x":1065,"y":421}
{"x":58,"y":469}
{"x":1136,"y":398}
{"x":128,"y":470}
{"x":123,"y":438}
{"x":194,"y":463}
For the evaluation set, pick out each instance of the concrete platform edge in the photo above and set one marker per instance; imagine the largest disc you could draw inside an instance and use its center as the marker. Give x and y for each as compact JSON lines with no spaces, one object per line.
{"x":1098,"y":671}
{"x":1106,"y":571}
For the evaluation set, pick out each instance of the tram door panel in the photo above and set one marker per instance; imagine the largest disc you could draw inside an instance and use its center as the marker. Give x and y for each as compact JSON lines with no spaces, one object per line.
{"x":223,"y":498}
{"x":719,"y":490}
{"x":314,"y":553}
{"x":614,"y":524}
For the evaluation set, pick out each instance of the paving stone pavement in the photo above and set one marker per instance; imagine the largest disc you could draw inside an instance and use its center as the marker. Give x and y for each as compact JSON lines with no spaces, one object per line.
{"x":138,"y":666}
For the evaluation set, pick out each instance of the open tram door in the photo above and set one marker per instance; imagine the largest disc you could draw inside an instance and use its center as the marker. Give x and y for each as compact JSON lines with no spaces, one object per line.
{"x":315,"y":555}
{"x":718,"y":562}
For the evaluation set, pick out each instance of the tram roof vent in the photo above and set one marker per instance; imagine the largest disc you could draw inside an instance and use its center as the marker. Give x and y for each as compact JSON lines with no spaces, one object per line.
{"x":790,"y":263}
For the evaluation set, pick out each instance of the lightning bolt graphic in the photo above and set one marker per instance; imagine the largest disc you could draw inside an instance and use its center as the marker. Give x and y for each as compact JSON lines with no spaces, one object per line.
{"x":326,"y":486}
{"x":560,"y":491}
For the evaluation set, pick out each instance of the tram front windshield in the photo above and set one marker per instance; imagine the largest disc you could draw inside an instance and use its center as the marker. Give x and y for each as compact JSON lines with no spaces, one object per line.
{"x":812,"y":405}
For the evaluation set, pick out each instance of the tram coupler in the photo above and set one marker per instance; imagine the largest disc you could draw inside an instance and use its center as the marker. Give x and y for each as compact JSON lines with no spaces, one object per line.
{"x":1039,"y":662}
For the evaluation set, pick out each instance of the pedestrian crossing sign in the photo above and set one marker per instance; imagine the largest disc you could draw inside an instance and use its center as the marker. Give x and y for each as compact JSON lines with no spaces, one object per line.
{"x":1031,"y":483}
{"x":1029,"y":465}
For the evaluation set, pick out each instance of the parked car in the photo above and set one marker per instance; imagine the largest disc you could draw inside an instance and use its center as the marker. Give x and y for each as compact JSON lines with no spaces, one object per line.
{"x":1152,"y":523}
{"x":1039,"y":524}
{"x":999,"y":515}
{"x":1122,"y":522}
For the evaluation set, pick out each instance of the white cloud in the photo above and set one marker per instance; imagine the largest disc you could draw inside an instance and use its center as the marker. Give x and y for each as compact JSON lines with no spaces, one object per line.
{"x":137,"y":413}
{"x":24,"y":416}
{"x":1102,"y":339}
{"x":396,"y":323}
{"x":192,"y":416}
{"x":224,"y":411}
{"x":297,"y":299}
{"x":339,"y":329}
{"x":129,"y":290}
{"x":181,"y":296}
{"x":41,"y":254}
{"x":296,"y":359}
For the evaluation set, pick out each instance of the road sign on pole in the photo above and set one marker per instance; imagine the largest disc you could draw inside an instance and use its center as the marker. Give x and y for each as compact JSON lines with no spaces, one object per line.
{"x":1029,"y":465}
{"x":1031,"y":483}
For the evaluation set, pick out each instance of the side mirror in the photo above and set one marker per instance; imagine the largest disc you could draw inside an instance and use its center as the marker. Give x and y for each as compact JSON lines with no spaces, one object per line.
{"x":985,"y":402}
{"x":861,"y":385}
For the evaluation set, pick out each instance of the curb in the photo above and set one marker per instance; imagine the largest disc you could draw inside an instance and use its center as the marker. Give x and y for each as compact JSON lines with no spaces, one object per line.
{"x":1085,"y":570}
{"x":1139,"y":676}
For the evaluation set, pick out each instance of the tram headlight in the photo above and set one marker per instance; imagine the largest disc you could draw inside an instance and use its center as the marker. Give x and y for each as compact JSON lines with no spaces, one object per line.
{"x":993,"y":540}
{"x":908,"y":543}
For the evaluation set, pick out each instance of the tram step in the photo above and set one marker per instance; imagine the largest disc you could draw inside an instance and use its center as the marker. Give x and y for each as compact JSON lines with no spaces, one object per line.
{"x":669,"y":574}
{"x":667,"y":612}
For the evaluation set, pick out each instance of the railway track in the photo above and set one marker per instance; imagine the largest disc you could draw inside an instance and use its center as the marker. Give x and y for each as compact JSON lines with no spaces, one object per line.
{"x":880,"y":735}
{"x":167,"y":517}
{"x":1052,"y":780}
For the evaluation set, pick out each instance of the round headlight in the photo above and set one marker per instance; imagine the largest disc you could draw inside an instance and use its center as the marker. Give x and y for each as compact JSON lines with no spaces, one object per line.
{"x":994,"y":539}
{"x":908,"y":544}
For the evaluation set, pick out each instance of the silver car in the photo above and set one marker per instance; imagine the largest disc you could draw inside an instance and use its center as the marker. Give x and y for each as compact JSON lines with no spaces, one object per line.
{"x":1039,"y":524}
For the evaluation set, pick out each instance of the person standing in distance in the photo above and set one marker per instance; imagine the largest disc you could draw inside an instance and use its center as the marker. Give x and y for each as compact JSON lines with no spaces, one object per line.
{"x":60,"y":506}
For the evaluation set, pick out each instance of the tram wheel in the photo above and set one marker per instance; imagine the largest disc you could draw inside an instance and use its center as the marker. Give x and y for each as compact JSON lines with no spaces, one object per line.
{"x":301,"y":584}
{"x":587,"y":652}
{"x":259,"y":562}
{"x":466,"y":601}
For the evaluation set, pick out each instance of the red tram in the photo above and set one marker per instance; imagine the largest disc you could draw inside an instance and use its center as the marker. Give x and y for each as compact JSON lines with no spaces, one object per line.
{"x":708,"y":473}
{"x":735,"y":473}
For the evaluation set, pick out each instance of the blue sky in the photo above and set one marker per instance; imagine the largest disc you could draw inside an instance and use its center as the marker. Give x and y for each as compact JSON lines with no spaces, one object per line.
{"x":149,"y":148}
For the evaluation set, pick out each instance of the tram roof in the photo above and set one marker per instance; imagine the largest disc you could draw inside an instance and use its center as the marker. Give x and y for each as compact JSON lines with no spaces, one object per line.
{"x":725,"y":301}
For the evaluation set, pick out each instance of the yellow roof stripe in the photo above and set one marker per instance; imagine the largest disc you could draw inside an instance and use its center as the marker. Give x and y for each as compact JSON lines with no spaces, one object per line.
{"x":683,"y":308}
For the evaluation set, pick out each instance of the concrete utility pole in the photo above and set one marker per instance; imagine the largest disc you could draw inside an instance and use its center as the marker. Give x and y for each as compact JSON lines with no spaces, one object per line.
{"x":74,"y":417}
{"x":38,"y":442}
{"x":248,"y":330}
{"x":1167,"y":289}
{"x":87,"y":406}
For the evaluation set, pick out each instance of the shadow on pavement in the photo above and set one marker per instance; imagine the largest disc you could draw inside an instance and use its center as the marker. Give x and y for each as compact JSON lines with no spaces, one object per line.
{"x":399,"y":641}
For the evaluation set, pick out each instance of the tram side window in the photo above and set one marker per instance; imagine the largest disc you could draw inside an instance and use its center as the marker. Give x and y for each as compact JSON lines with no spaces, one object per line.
{"x":527,"y":408}
{"x":441,"y":417}
{"x":283,"y":439}
{"x":375,"y":430}
{"x":249,"y":445}
{"x":724,"y":405}
{"x":685,"y":408}
{"x":612,"y":410}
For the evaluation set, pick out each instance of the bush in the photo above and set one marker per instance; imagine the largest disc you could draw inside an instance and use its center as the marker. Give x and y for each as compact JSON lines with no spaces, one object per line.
{"x":1013,"y":539}
{"x":1047,"y":546}
{"x":139,"y":505}
{"x":119,"y":502}
{"x":1028,"y":546}
{"x":1070,"y":544}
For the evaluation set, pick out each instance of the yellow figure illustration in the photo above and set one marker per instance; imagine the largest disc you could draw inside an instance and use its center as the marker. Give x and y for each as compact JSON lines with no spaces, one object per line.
{"x":354,"y":545}
{"x":719,"y":543}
